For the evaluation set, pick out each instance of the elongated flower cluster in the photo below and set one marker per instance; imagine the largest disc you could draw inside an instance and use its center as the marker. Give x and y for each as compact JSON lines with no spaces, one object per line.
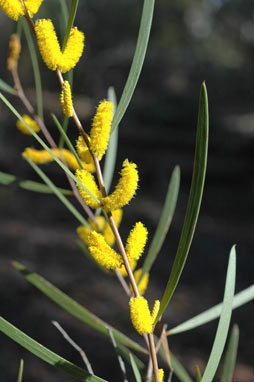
{"x":66,"y":99}
{"x":100,"y":130}
{"x":82,"y":150}
{"x":14,"y":8}
{"x":122,"y":194}
{"x":101,"y":226}
{"x":136,"y":241}
{"x":141,"y":317}
{"x":43,"y":157}
{"x":102,"y":252}
{"x":89,"y":183}
{"x":50,"y":49}
{"x":161,"y":375}
{"x":125,"y":189}
{"x":14,"y":51}
{"x":31,"y":123}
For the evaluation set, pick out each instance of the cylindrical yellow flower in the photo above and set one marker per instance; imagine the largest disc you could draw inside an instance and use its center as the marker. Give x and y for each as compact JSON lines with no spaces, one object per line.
{"x":102,"y":252}
{"x":43,"y":157}
{"x":48,"y":43}
{"x":156,"y":308}
{"x":143,"y":283}
{"x":107,"y":233}
{"x":14,"y":51}
{"x":125,"y":189}
{"x":73,"y":51}
{"x":31,"y":123}
{"x":161,"y":374}
{"x":14,"y":8}
{"x":136,"y":241}
{"x":140,"y":315}
{"x":88,"y":181}
{"x":100,"y":130}
{"x":66,"y":99}
{"x":122,"y":270}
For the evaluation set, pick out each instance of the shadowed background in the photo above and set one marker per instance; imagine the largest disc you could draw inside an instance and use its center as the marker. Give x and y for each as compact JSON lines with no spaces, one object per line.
{"x":191,"y":41}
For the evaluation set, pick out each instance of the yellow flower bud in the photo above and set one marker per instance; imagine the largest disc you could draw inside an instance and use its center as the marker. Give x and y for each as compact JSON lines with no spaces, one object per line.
{"x":66,"y":99}
{"x":161,"y":374}
{"x":156,"y":308}
{"x":14,"y":51}
{"x":14,"y":8}
{"x":73,"y":51}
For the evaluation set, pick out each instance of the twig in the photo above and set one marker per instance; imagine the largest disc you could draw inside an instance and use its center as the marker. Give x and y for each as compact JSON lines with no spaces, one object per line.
{"x":170,"y":375}
{"x":123,"y":283}
{"x":120,"y":360}
{"x":74,"y":345}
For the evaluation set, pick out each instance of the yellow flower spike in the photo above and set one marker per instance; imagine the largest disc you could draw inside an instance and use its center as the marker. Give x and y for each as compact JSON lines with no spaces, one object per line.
{"x":48,"y":43}
{"x":161,"y":375}
{"x":14,"y":51}
{"x":107,"y":233}
{"x":88,"y":181}
{"x":14,"y":8}
{"x":43,"y":157}
{"x":66,"y":99}
{"x":22,"y":127}
{"x":101,"y":126}
{"x":122,"y":270}
{"x":102,"y":252}
{"x":140,"y":315}
{"x":83,"y":151}
{"x":143,"y":283}
{"x":84,"y":232}
{"x":136,"y":241}
{"x":156,"y":308}
{"x":32,"y":6}
{"x":125,"y":189}
{"x":73,"y":51}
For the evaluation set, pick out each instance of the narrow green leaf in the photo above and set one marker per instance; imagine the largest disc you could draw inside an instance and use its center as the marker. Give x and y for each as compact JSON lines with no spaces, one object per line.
{"x":135,"y":369}
{"x":36,"y":69}
{"x":178,"y":368}
{"x":72,"y":14}
{"x":196,"y":192}
{"x":125,"y":353}
{"x":60,"y":196}
{"x":45,"y":354}
{"x":66,"y":139}
{"x":110,"y":159}
{"x":21,"y":368}
{"x":43,"y":144}
{"x":63,"y":18}
{"x":74,"y":308}
{"x":223,"y":326}
{"x":30,"y":185}
{"x":165,"y":221}
{"x":240,"y":299}
{"x":137,"y":63}
{"x":230,"y":359}
{"x":6,"y":88}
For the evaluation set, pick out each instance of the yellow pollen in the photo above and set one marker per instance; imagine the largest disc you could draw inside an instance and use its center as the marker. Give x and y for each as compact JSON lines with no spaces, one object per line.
{"x":31,"y":123}
{"x":83,"y":151}
{"x":125,"y":189}
{"x":100,"y":130}
{"x":14,"y":8}
{"x":73,"y":51}
{"x":161,"y":374}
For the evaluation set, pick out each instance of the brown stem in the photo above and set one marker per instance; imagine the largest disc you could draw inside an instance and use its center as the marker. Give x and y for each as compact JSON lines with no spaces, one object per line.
{"x":123,"y":283}
{"x":153,"y":357}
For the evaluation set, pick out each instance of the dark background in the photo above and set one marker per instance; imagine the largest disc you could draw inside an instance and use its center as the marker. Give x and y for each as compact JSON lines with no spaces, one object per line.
{"x":191,"y":41}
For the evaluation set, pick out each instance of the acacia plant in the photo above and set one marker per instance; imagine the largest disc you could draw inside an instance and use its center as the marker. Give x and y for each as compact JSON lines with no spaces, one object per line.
{"x":100,"y":212}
